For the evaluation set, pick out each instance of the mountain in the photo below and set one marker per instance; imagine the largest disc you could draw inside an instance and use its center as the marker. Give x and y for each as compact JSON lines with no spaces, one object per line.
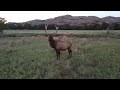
{"x":74,"y":20}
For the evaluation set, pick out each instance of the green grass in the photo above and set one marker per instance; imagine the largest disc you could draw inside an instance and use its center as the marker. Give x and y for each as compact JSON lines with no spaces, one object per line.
{"x":59,"y":31}
{"x":78,"y":33}
{"x":32,"y":58}
{"x":26,"y":57}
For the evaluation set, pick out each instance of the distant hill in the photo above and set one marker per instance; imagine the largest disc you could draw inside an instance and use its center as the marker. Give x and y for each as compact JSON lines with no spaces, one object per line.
{"x":74,"y":20}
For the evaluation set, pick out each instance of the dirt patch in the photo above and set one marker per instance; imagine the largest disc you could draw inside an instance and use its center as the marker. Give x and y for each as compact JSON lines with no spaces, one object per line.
{"x":72,"y":35}
{"x":43,"y":36}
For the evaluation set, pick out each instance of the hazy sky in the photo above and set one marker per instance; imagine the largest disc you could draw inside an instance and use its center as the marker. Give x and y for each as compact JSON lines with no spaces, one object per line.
{"x":22,"y":16}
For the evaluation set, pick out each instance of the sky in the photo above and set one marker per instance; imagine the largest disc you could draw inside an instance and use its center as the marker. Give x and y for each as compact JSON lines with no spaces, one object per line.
{"x":23,"y":16}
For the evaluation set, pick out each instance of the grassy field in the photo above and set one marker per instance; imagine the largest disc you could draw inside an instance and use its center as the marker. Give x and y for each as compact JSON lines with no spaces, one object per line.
{"x":33,"y":58}
{"x":59,"y":31}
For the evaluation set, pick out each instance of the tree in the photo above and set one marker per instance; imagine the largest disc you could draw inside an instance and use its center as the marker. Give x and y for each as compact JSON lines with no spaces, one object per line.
{"x":2,"y":24}
{"x":104,"y":25}
{"x":115,"y":26}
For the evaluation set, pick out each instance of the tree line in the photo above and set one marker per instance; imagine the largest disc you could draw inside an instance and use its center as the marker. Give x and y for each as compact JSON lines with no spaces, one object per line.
{"x":84,"y":26}
{"x":94,"y":26}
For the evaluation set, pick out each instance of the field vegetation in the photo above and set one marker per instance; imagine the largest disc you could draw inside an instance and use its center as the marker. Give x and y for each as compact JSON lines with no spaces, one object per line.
{"x":26,"y":54}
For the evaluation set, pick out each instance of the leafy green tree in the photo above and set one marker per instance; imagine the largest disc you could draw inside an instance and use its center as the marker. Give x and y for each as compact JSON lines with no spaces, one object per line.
{"x":115,"y":26}
{"x":104,"y":25}
{"x":2,"y":24}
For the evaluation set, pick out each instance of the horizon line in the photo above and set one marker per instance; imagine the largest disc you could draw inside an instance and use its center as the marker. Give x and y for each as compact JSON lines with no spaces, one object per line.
{"x":63,"y":15}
